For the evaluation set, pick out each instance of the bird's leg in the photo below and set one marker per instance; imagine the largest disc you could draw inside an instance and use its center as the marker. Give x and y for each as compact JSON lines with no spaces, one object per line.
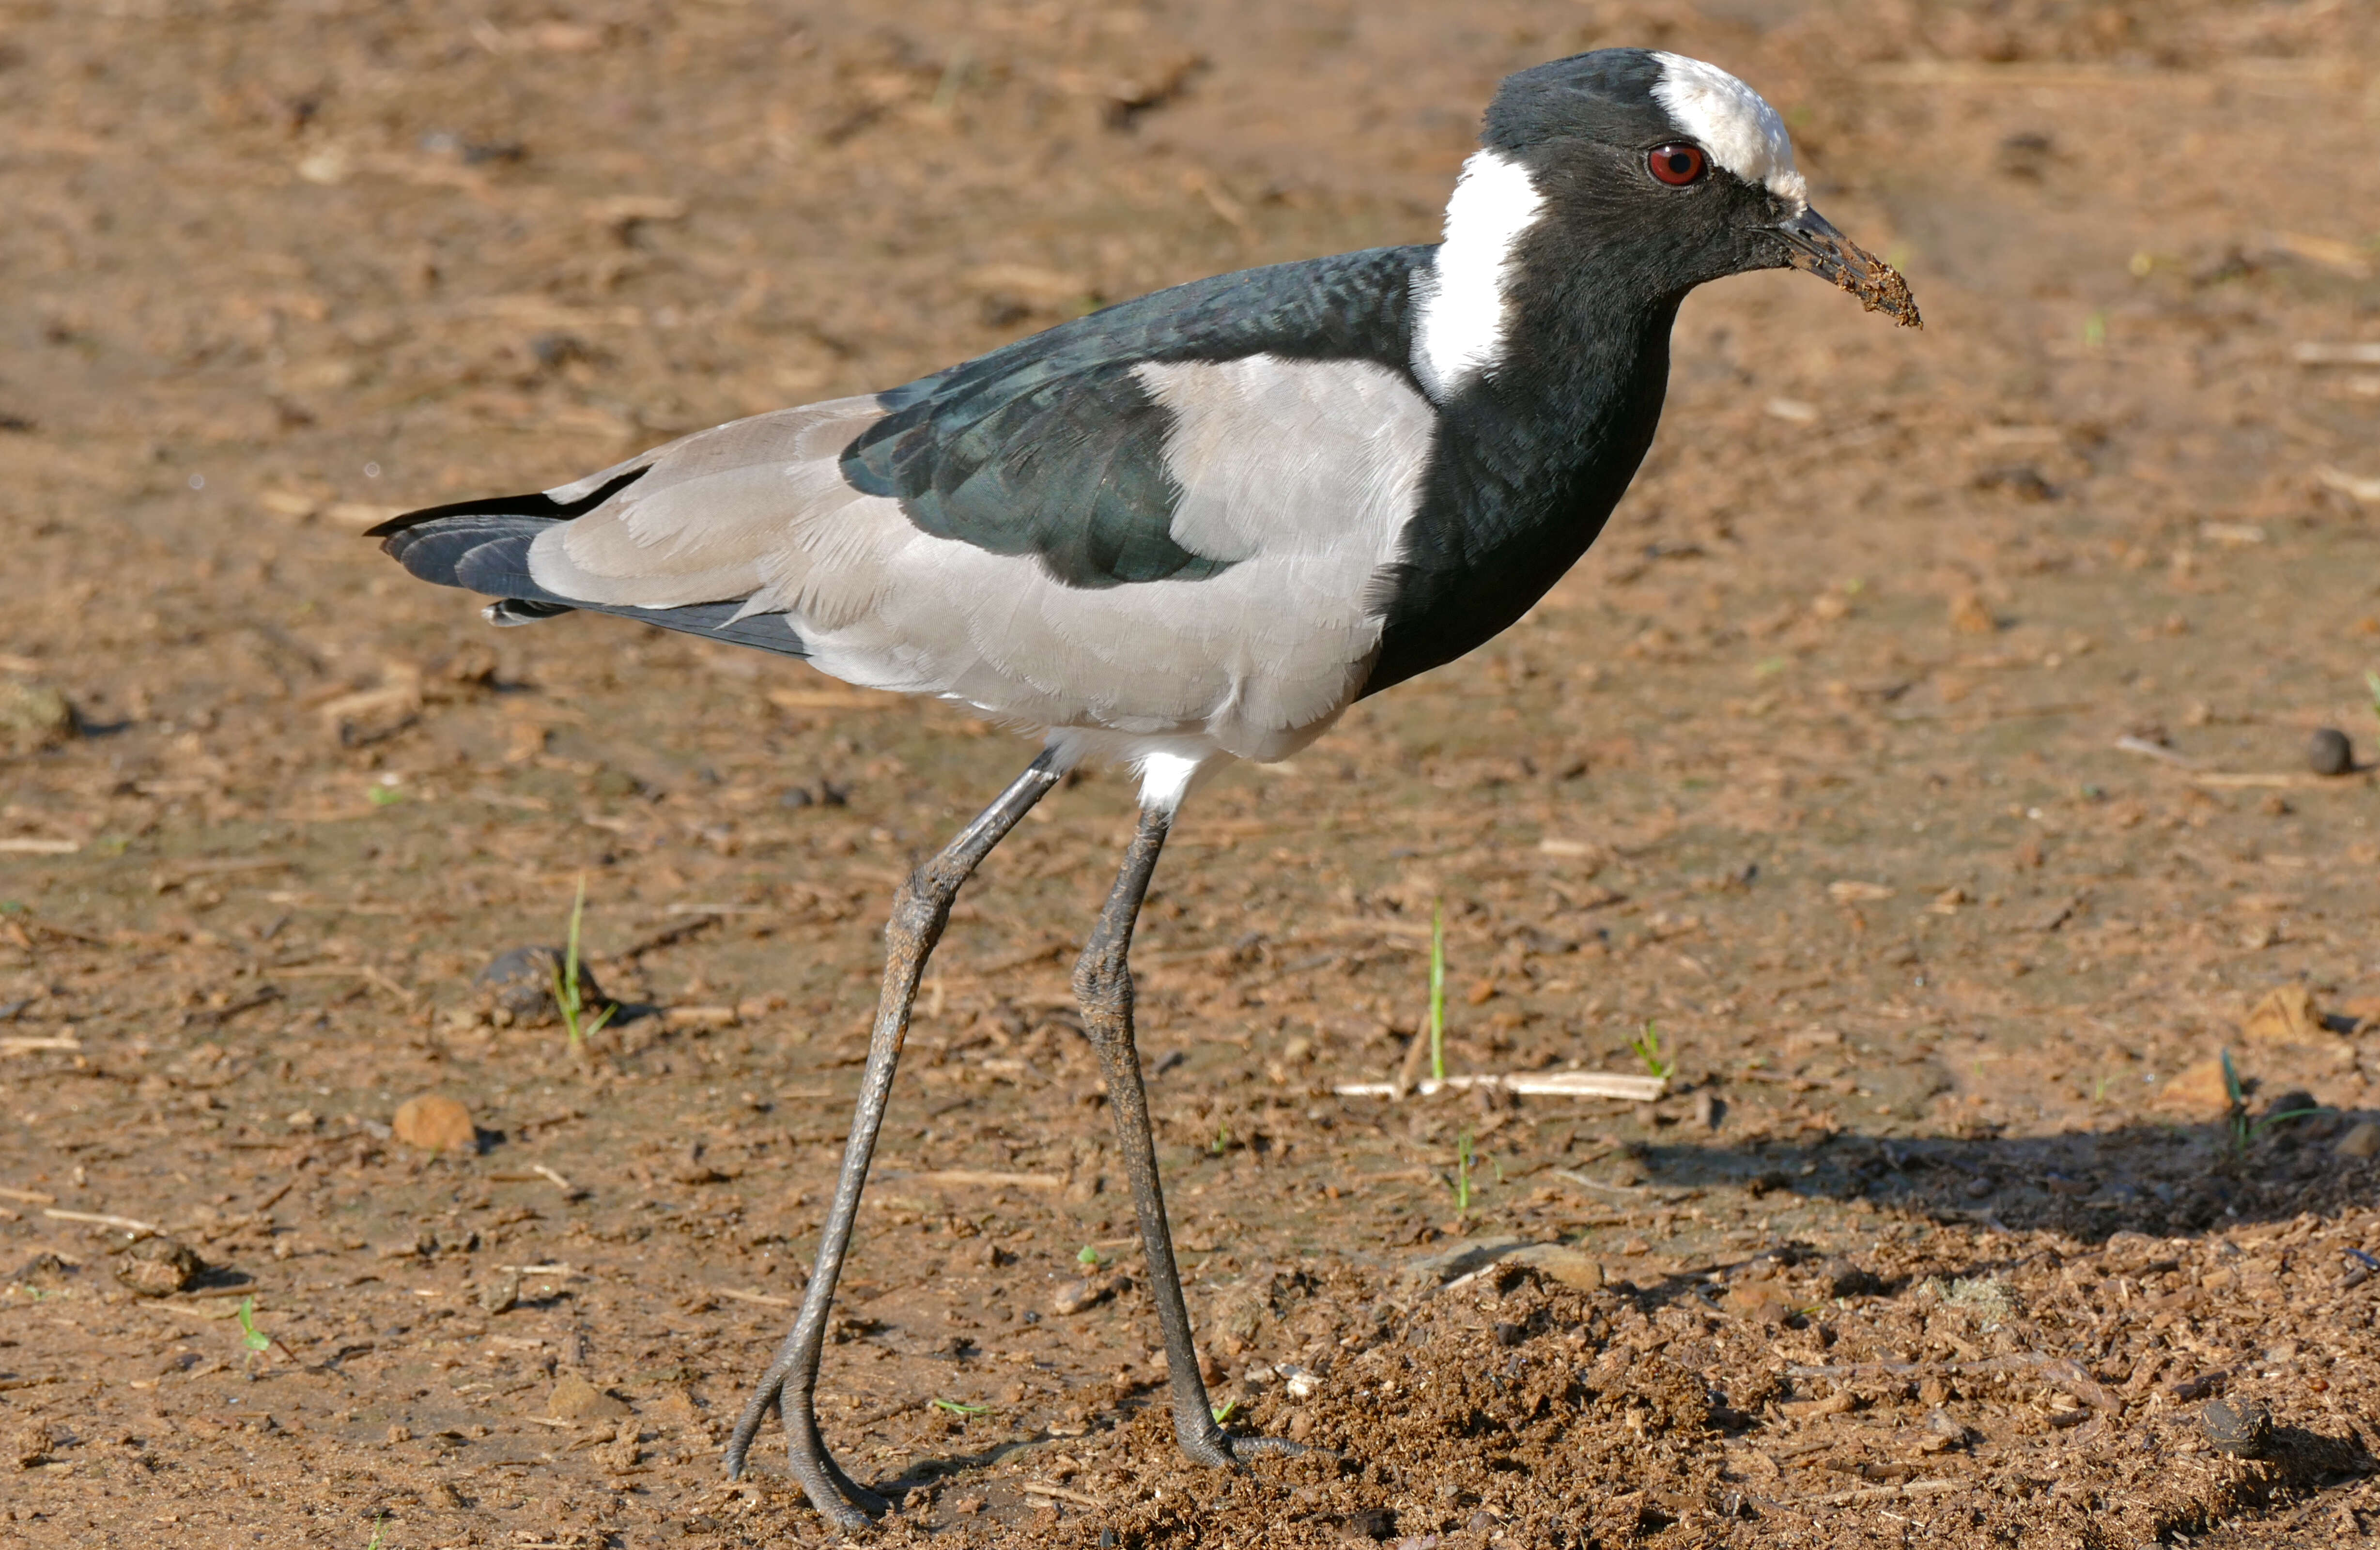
{"x":1103,"y":985}
{"x":920,"y":908}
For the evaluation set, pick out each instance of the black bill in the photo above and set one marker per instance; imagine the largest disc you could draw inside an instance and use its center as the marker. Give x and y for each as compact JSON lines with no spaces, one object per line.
{"x":1813,"y":244}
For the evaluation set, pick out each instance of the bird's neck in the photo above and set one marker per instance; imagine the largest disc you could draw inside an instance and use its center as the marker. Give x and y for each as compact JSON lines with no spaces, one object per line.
{"x":1531,"y":457}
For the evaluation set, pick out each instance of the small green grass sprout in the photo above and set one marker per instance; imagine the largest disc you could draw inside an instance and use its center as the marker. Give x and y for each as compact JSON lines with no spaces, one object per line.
{"x":1648,"y":1045}
{"x":1087,"y":1257}
{"x":1436,"y":992}
{"x":2245,"y":1133}
{"x":380,"y":1522}
{"x":1224,"y":1411}
{"x":1463,"y":1171}
{"x":566,"y":981}
{"x":954,"y":1407}
{"x":257,"y":1341}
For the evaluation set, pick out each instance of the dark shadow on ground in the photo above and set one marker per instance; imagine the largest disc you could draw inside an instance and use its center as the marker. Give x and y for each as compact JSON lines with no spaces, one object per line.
{"x":2161,"y":1180}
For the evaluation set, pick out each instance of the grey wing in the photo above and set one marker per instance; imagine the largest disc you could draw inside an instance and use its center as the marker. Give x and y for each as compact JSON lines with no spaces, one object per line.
{"x":1290,"y":483}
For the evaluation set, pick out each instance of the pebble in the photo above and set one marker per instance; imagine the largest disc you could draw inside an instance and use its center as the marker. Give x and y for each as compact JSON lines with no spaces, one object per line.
{"x":500,"y":1297}
{"x":574,"y":1399}
{"x":1370,"y":1522}
{"x":2199,"y":1090}
{"x":2329,"y":752}
{"x":1075,"y":1296}
{"x":435,"y":1123}
{"x":34,"y":716}
{"x":158,"y":1267}
{"x":2361,"y":1143}
{"x":520,"y":982}
{"x":1574,"y":1268}
{"x":2239,"y":1427}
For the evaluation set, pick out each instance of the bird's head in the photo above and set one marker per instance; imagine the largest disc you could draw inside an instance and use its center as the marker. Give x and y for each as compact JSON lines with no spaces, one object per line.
{"x":1671,"y":172}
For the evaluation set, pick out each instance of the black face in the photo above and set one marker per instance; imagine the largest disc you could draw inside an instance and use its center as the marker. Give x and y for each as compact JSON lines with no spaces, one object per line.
{"x":1628,"y":187}
{"x":1621,"y":178}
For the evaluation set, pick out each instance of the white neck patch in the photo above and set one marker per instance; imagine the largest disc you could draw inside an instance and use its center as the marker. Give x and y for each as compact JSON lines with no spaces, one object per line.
{"x":1459,"y":331}
{"x":1734,"y":123}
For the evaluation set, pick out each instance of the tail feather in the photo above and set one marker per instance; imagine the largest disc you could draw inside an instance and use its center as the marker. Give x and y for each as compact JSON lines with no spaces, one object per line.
{"x":482,"y":546}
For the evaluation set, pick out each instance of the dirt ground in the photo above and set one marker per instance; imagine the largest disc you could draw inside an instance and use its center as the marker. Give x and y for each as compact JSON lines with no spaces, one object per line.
{"x":1921,"y":755}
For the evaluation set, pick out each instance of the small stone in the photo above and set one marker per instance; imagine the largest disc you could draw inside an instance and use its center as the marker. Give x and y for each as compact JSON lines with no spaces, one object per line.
{"x":2287,"y":1016}
{"x":1075,"y":1296}
{"x":400,"y":1433}
{"x":520,"y":984}
{"x":34,"y":716}
{"x":1573,"y":1268}
{"x":2330,"y":752}
{"x":574,"y":1399}
{"x":2198,"y":1090}
{"x":1370,"y":1522}
{"x":500,"y":1296}
{"x":2362,"y":1142}
{"x":158,"y":1267}
{"x":435,"y":1124}
{"x":623,"y":1454}
{"x":32,"y":1444}
{"x":1709,"y":1109}
{"x":2239,"y":1427}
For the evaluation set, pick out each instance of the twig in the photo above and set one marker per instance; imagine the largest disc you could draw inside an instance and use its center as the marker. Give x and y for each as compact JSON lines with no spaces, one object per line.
{"x":1553,"y":1083}
{"x":980,"y":1178}
{"x":1598,"y":1184}
{"x":31,"y":1197}
{"x":126,"y":1223}
{"x":760,"y":1297}
{"x":1035,"y":1488}
{"x":550,"y":1176}
{"x":269,"y":1202}
{"x":2158,"y":751}
{"x":1879,"y":1493}
{"x":25,"y":1046}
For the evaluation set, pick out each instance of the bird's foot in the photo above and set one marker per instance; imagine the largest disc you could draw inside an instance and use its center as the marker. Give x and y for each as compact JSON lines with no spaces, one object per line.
{"x":840,"y":1499}
{"x":1218,"y":1449}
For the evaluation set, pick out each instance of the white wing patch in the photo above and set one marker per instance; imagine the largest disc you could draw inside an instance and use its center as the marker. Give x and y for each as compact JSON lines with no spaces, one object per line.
{"x":1732,"y":122}
{"x":1459,"y":333}
{"x":1301,"y":473}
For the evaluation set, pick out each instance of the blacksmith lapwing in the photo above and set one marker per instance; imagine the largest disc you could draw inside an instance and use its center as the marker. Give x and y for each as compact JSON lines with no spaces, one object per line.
{"x":1193,"y":528}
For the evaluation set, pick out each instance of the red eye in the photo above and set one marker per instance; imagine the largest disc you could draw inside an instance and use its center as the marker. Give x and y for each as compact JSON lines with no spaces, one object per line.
{"x":1677,"y":165}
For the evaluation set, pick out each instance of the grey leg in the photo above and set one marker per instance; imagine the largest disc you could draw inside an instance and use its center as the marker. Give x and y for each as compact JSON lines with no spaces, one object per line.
{"x":920,"y":908}
{"x":1103,"y":983}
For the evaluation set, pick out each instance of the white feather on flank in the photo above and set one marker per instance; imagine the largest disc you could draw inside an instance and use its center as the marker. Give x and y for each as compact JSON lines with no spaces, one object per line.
{"x":1170,"y":768}
{"x":1460,"y":333}
{"x":1732,"y":122}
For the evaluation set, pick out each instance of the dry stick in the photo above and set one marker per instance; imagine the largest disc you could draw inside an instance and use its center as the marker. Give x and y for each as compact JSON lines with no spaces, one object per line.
{"x":1035,"y":1488}
{"x":31,"y":1197}
{"x":269,"y":1202}
{"x":26,"y":1045}
{"x":980,"y":1178}
{"x":760,"y":1297}
{"x":1879,"y":1493}
{"x":1558,"y":1084}
{"x":126,"y":1223}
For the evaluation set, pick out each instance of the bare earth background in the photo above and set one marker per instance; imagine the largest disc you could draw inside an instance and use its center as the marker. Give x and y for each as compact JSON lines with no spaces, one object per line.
{"x":1945,"y":1233}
